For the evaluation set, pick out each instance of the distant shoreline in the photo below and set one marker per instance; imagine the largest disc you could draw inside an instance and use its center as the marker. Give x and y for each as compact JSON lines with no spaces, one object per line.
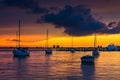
{"x":58,"y":49}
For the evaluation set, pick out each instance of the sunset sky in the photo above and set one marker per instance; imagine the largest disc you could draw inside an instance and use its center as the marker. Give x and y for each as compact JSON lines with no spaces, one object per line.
{"x":63,"y":18}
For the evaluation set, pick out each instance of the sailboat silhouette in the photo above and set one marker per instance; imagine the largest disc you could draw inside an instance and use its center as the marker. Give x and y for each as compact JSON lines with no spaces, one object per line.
{"x":47,"y":51}
{"x":20,"y":51}
{"x":72,"y":50}
{"x":95,"y":51}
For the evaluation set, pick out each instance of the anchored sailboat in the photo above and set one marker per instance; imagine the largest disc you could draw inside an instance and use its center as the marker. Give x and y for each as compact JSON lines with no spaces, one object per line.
{"x":95,"y":51}
{"x":20,"y":51}
{"x":87,"y":59}
{"x":47,"y":51}
{"x":72,"y":50}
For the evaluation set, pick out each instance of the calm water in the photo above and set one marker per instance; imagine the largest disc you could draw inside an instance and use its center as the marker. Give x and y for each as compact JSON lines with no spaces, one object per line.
{"x":59,"y":66}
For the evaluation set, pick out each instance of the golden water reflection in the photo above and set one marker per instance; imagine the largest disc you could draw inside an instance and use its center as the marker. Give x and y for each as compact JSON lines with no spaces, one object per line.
{"x":60,"y":65}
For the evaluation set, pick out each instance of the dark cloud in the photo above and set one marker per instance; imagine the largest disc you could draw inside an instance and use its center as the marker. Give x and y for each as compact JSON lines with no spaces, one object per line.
{"x":54,"y":9}
{"x":76,"y":20}
{"x":113,"y":25}
{"x":16,"y":40}
{"x":113,"y":28}
{"x":32,"y":6}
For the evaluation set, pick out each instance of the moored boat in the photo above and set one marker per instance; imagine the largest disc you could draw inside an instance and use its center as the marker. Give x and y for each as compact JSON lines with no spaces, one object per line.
{"x":47,"y":51}
{"x":87,"y":59}
{"x":72,"y":50}
{"x":95,"y":50}
{"x":19,"y":51}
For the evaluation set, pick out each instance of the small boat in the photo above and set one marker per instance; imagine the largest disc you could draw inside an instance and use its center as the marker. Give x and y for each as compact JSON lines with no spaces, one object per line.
{"x":87,"y":59}
{"x":47,"y":51}
{"x":20,"y":51}
{"x":111,"y":47}
{"x":72,"y":50}
{"x":95,"y":52}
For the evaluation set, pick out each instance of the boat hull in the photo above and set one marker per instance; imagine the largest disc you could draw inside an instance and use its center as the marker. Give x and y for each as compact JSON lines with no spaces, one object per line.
{"x":18,"y":52}
{"x":72,"y":50}
{"x":95,"y":52}
{"x":87,"y":59}
{"x":48,"y":51}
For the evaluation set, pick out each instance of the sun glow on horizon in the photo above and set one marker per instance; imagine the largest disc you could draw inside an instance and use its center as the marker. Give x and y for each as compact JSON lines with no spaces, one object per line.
{"x":40,"y":40}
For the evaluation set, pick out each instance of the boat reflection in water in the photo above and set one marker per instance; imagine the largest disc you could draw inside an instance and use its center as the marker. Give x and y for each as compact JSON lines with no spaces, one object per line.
{"x":21,"y":67}
{"x":61,"y":65}
{"x":88,"y":71}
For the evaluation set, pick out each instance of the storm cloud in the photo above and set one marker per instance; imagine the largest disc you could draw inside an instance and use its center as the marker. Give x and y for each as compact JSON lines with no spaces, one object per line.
{"x":31,"y":6}
{"x":113,"y":28}
{"x":76,"y":20}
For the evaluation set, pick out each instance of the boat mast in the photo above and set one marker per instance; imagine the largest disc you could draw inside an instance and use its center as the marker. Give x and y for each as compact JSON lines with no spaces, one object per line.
{"x":72,"y":41}
{"x":47,"y":40}
{"x":19,"y":33}
{"x":95,"y":41}
{"x":17,"y":39}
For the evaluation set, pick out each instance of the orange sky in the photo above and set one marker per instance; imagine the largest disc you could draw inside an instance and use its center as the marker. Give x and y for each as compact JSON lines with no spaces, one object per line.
{"x":39,"y":40}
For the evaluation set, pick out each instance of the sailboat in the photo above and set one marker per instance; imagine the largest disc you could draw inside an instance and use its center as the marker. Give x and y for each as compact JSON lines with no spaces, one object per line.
{"x":95,"y":51}
{"x":72,"y":50}
{"x":87,"y":59}
{"x":47,"y":51}
{"x":20,"y":51}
